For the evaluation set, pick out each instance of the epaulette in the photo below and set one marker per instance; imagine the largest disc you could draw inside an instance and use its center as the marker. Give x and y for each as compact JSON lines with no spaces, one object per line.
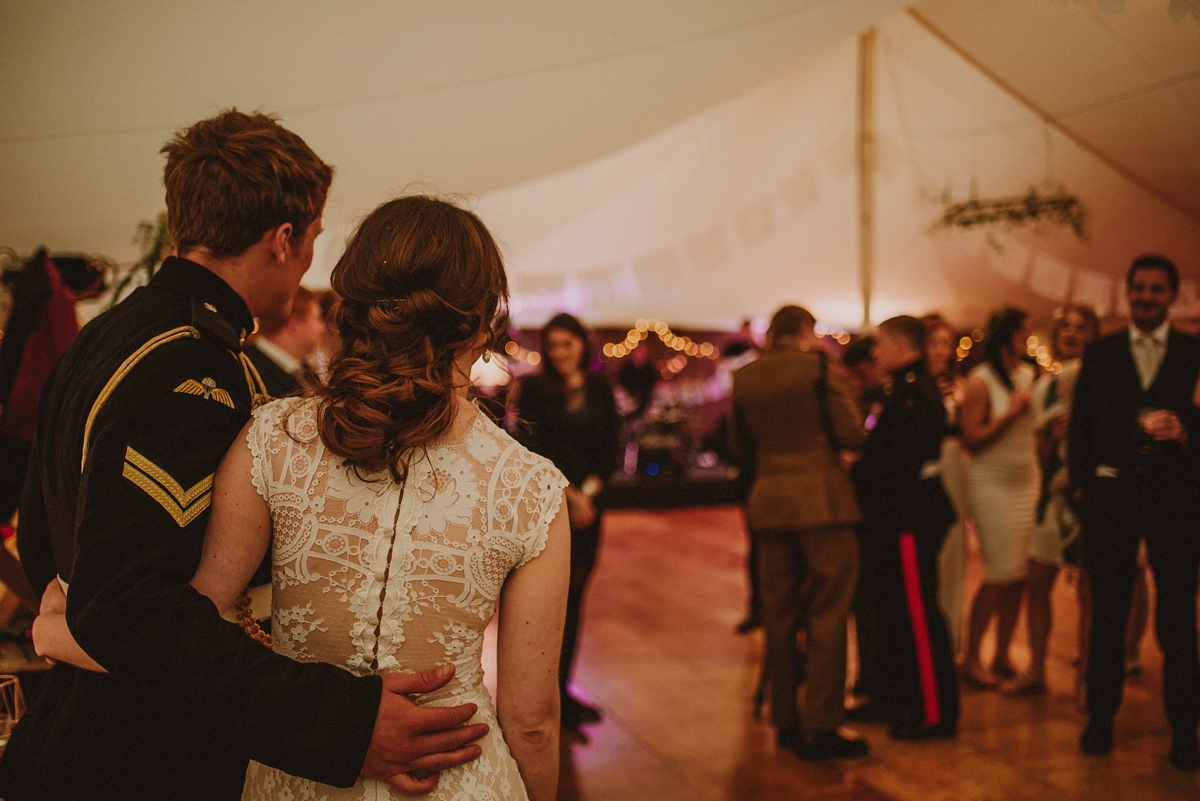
{"x":209,"y":321}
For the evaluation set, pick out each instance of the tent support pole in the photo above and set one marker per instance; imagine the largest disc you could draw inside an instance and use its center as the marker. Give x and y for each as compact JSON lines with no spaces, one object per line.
{"x":866,"y":170}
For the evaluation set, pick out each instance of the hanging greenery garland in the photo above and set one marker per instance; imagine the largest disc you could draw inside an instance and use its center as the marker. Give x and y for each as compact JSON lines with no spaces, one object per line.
{"x":1057,"y":208}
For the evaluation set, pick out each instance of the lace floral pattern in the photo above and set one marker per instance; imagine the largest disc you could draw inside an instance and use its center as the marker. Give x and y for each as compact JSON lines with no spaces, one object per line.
{"x":437,"y":551}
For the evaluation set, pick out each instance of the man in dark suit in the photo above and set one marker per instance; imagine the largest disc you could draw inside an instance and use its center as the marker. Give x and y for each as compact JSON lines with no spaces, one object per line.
{"x":133,"y":422}
{"x":280,"y":348}
{"x":793,"y":412}
{"x":1132,"y":452}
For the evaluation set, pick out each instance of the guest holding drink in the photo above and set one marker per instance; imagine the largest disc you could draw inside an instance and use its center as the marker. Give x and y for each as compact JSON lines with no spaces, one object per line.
{"x":1134,"y":465}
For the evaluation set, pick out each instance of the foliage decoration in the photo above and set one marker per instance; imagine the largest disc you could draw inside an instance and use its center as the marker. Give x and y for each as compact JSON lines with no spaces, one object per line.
{"x":1031,"y":208}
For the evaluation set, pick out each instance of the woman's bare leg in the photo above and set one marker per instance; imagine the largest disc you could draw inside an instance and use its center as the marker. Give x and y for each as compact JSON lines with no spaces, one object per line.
{"x":982,"y":609}
{"x":1038,"y":586}
{"x":1041,"y":582}
{"x":1008,"y":609}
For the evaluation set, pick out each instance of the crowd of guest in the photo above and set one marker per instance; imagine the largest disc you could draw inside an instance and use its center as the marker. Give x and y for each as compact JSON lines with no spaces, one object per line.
{"x":868,"y":477}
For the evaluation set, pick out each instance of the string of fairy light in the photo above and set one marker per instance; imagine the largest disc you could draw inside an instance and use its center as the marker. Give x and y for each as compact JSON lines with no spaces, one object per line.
{"x":641,"y":332}
{"x":685,"y":347}
{"x":515,"y":351}
{"x":1033,"y":347}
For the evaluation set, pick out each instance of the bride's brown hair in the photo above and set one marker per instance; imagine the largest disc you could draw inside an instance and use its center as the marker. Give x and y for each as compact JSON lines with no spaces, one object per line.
{"x":421,"y":281}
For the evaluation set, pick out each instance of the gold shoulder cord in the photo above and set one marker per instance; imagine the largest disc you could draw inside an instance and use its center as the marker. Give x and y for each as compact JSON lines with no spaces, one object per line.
{"x":258,"y":390}
{"x":182,"y":332}
{"x":241,"y":608}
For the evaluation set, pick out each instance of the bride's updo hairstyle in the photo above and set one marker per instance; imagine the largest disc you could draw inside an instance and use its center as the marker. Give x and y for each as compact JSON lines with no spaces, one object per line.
{"x":420,"y":282}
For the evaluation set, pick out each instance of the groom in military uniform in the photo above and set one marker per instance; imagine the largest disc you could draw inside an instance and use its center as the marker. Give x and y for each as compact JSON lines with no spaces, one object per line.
{"x":134,"y":420}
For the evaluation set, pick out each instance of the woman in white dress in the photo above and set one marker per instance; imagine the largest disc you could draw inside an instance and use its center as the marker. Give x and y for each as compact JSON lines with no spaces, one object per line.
{"x":1003,"y":481}
{"x":397,"y":512}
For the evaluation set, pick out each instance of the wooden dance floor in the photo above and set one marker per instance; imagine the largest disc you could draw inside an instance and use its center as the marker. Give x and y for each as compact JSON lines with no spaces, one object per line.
{"x":660,"y":657}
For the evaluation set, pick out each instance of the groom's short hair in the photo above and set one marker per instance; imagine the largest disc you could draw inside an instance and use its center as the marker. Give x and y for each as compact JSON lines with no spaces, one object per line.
{"x":233,"y":177}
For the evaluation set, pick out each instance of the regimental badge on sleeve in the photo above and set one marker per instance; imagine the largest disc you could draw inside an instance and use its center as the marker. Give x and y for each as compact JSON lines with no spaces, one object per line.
{"x":182,"y":505}
{"x":206,"y":388}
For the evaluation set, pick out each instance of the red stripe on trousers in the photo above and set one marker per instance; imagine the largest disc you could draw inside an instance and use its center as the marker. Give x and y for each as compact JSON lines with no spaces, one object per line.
{"x":916,"y":616}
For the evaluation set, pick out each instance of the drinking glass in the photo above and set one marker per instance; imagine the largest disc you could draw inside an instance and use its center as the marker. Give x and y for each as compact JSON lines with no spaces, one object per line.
{"x":1145,"y":416}
{"x":12,"y":707}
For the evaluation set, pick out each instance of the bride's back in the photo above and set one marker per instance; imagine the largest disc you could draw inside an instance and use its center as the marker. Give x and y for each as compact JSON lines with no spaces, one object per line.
{"x":379,"y":576}
{"x":399,"y":510}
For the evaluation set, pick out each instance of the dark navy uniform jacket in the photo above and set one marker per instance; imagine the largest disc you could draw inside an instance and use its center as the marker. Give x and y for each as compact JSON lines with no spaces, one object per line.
{"x":907,"y":437}
{"x":133,"y":422}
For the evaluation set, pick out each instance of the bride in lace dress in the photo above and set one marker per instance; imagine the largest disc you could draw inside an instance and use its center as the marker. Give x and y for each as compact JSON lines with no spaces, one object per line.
{"x":398,"y":514}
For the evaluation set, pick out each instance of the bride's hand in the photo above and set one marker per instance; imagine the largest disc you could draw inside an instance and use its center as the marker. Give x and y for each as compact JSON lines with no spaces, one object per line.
{"x":54,"y":600}
{"x":54,"y":603}
{"x":52,"y":639}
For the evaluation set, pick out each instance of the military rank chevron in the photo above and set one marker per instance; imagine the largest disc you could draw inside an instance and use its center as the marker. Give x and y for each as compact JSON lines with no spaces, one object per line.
{"x":183,"y":505}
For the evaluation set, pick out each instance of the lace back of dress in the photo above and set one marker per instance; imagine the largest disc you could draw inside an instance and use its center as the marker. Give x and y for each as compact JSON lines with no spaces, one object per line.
{"x":379,"y":577}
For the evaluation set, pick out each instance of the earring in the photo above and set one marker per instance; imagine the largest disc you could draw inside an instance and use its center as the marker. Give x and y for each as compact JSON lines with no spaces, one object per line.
{"x":487,"y":356}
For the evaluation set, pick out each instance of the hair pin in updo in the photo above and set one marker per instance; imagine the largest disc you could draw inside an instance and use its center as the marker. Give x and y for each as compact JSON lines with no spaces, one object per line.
{"x":391,"y":304}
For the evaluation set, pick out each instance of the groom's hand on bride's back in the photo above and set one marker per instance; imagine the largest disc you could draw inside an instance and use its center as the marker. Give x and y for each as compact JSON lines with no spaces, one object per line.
{"x":411,"y":744}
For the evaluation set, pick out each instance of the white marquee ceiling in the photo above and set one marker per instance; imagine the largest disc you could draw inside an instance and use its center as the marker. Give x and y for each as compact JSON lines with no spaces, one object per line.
{"x":683,"y":159}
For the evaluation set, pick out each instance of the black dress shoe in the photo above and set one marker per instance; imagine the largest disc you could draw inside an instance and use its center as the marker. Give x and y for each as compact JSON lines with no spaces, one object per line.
{"x":1097,"y":738}
{"x":908,"y":730}
{"x":1185,"y":753}
{"x":818,"y":746}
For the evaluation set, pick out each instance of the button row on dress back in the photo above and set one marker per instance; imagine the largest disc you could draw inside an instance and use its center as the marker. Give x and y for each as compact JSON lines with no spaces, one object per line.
{"x":387,"y":568}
